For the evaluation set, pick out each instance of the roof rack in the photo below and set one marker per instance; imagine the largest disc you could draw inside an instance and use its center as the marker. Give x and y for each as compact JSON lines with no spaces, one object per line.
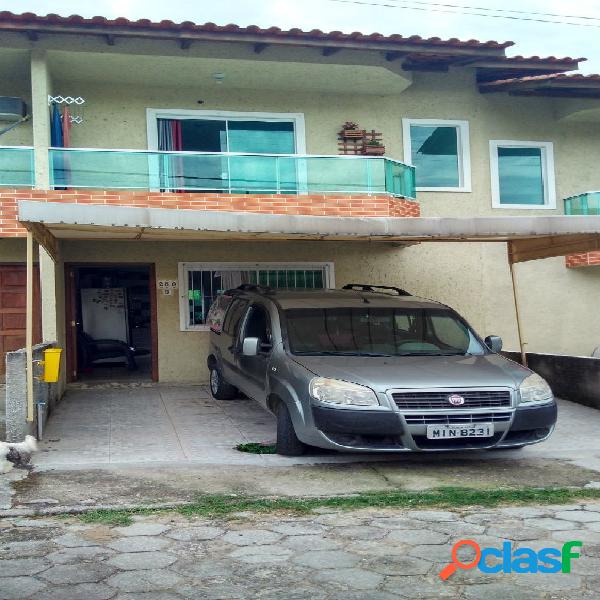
{"x":254,"y":287}
{"x":367,"y":287}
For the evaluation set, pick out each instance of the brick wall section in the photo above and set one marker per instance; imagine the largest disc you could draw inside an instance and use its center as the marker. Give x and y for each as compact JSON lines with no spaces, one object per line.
{"x":329,"y":205}
{"x":585,"y":259}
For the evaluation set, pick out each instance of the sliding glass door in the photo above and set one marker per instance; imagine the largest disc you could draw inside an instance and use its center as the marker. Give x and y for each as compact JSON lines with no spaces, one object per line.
{"x":235,"y":174}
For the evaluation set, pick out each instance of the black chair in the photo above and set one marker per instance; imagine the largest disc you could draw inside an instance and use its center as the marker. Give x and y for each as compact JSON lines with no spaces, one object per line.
{"x":91,"y":350}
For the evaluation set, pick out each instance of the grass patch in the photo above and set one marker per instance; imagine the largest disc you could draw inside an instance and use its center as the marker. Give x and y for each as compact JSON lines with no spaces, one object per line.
{"x":446,"y":497}
{"x":119,"y":518}
{"x":257,"y":448}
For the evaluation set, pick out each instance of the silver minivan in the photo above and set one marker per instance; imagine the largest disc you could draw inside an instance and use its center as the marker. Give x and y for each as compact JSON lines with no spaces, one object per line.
{"x":372,"y":369}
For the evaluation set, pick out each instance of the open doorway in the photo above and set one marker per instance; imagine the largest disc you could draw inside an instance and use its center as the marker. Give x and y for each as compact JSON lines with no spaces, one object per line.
{"x":111,"y":310}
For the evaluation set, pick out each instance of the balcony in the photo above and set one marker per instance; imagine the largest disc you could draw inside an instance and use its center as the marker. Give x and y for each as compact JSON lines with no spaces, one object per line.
{"x":587,"y":203}
{"x":231,"y":173}
{"x":16,"y":166}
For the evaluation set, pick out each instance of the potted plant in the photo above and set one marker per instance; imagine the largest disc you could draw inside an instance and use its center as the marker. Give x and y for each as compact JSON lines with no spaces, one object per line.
{"x":350,"y":130}
{"x":374,"y":147}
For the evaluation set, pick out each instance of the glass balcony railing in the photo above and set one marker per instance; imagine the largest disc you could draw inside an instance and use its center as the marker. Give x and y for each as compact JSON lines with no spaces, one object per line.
{"x":229,"y":172}
{"x":583,"y":204}
{"x":16,"y":166}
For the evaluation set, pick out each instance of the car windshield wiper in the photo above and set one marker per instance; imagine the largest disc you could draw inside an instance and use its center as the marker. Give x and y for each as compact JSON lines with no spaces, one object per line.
{"x":332,"y":353}
{"x":435,"y":354}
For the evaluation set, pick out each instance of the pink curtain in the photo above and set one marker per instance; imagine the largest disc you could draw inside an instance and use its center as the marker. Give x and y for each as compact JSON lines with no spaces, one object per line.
{"x":170,"y":140}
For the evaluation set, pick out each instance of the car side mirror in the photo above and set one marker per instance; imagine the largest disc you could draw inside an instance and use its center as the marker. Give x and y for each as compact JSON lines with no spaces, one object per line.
{"x":494,"y":343}
{"x":250,"y":346}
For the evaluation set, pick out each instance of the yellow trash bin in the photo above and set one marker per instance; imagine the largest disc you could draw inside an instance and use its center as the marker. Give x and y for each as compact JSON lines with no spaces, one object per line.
{"x":51,"y":364}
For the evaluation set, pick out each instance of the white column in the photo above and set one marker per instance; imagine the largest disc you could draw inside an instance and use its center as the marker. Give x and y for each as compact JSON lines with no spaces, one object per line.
{"x":40,"y":88}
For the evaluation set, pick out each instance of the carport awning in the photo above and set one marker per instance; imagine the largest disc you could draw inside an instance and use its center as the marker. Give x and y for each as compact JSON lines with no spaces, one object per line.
{"x":528,"y":238}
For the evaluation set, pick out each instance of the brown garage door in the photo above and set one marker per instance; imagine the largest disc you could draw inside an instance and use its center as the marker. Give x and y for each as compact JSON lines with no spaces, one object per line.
{"x":13,"y":294}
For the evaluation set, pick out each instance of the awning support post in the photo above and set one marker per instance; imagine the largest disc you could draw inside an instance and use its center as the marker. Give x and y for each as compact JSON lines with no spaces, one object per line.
{"x":517,"y":311}
{"x":29,"y":328}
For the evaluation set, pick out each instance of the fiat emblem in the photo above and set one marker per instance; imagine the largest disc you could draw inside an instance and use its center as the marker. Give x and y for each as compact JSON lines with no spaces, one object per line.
{"x":456,"y":400}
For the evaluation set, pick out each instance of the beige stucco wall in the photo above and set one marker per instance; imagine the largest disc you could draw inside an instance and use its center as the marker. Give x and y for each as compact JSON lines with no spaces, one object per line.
{"x":559,"y":305}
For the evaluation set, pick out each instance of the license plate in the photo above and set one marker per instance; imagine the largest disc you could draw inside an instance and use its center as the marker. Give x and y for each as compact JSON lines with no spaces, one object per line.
{"x":447,"y":432}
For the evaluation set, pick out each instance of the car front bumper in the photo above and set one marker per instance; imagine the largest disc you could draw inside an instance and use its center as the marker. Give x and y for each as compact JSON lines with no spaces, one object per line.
{"x":395,"y":431}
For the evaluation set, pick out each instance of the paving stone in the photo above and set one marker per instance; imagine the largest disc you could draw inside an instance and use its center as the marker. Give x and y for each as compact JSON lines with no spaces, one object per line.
{"x":523,"y":512}
{"x":302,"y":543}
{"x":399,"y":565}
{"x":327,"y":559}
{"x":346,"y":519}
{"x":19,"y":588}
{"x":200,"y":569}
{"x":247,"y":537}
{"x":459,"y":529}
{"x":396,"y":523}
{"x":550,"y":524}
{"x":25,"y":549}
{"x":22,"y":566}
{"x":500,"y":590}
{"x":137,"y":561}
{"x":355,"y":579}
{"x":67,"y":556}
{"x":139,"y":544}
{"x":421,"y":588}
{"x":71,"y":574}
{"x":155,"y":596}
{"x":434,"y":515}
{"x":373,"y":595}
{"x":71,"y":540}
{"x":145,"y":581}
{"x":515,"y":531}
{"x":40,"y":523}
{"x":581,"y":516}
{"x":358,"y":532}
{"x":261,"y":554}
{"x":548,"y":582}
{"x":195,"y":533}
{"x":436,"y":554}
{"x":417,"y":536}
{"x":584,"y":535}
{"x":81,"y":591}
{"x":372,"y":548}
{"x":142,"y":529}
{"x":301,"y":528}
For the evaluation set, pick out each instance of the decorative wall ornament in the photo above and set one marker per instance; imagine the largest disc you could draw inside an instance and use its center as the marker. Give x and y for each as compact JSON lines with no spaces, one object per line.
{"x":355,"y":141}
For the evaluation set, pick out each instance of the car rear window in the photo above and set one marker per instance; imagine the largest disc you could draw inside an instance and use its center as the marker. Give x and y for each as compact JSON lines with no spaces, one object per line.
{"x":234,"y":314}
{"x":216,"y":312}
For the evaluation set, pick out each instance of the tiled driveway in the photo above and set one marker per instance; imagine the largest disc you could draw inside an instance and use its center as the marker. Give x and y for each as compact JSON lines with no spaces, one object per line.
{"x":152,"y":423}
{"x":127,"y":425}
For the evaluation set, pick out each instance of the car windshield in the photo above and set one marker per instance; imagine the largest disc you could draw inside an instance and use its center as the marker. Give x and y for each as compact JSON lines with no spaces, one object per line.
{"x":380,"y":332}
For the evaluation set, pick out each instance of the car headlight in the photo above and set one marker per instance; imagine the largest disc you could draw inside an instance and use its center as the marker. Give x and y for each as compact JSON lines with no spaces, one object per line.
{"x":334,"y":391}
{"x":535,"y":390}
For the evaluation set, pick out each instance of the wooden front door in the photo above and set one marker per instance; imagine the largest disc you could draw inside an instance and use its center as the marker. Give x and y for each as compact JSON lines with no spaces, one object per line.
{"x":13,"y":296}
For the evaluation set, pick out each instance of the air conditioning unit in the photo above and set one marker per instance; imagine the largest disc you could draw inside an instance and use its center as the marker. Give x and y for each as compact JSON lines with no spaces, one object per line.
{"x":12,"y":109}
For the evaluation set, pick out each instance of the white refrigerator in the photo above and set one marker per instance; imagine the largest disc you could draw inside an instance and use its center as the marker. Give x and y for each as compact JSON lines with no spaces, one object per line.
{"x":104,"y":313}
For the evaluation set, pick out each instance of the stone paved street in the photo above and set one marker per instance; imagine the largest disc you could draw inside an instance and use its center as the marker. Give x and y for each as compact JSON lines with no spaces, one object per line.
{"x":374,"y":554}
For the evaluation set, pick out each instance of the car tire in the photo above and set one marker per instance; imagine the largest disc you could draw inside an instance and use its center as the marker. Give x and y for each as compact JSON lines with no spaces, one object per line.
{"x":288,"y":443}
{"x":219,"y":388}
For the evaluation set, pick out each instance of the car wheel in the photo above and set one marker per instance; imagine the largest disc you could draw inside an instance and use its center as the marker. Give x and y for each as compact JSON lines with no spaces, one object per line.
{"x":288,"y":443}
{"x":219,"y":388}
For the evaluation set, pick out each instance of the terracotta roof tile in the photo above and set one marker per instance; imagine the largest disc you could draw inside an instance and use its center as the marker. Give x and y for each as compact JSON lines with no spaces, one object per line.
{"x":32,"y":19}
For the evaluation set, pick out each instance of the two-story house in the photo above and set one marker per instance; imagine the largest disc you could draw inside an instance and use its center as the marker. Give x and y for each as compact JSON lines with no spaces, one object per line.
{"x":162,"y":163}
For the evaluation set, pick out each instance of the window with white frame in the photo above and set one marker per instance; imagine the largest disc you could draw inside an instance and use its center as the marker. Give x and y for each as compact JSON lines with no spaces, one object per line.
{"x":522,"y":174}
{"x":201,"y":283}
{"x":439,"y":149}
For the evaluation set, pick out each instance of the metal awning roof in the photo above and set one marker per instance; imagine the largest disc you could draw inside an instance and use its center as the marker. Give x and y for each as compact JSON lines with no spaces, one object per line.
{"x":529,"y":238}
